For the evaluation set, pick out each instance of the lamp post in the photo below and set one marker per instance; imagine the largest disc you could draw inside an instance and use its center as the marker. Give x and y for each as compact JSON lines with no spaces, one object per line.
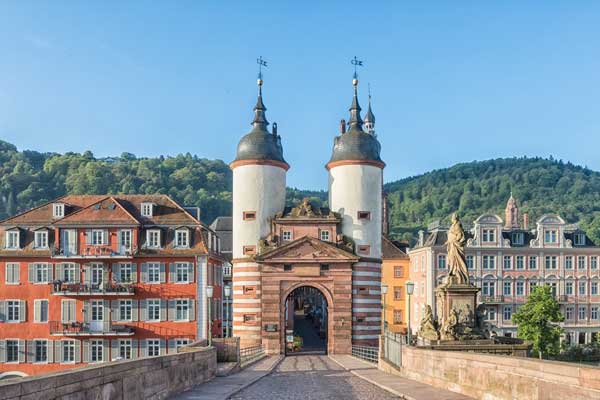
{"x":227,"y":293}
{"x":209,"y":295}
{"x":410,"y":288}
{"x":384,"y":289}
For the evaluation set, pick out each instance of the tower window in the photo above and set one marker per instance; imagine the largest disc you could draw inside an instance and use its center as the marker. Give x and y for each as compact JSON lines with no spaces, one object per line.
{"x":324,"y":236}
{"x":249,"y":318}
{"x":286,"y":236}
{"x":364,"y":249}
{"x":324,"y":267}
{"x":249,"y":215}
{"x":249,"y":250}
{"x":287,"y":267}
{"x":365,"y":215}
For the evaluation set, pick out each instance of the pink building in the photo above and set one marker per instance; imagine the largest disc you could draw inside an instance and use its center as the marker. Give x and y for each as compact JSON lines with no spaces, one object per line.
{"x":507,"y":260}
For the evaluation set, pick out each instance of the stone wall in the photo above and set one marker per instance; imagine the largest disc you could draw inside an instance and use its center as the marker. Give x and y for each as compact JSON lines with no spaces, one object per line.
{"x":228,"y":349}
{"x":492,"y":377}
{"x":144,"y":378}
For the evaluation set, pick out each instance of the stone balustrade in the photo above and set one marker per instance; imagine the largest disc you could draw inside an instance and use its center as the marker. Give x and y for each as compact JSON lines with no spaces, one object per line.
{"x":143,"y":378}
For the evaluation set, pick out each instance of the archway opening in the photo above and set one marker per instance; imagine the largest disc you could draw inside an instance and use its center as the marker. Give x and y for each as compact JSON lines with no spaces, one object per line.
{"x":306,"y":317}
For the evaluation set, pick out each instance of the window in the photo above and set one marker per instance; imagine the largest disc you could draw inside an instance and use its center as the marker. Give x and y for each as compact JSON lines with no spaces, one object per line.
{"x":13,"y":310}
{"x":594,"y":288}
{"x":58,"y":210}
{"x":364,"y":249}
{"x":581,"y":312}
{"x":581,"y":262}
{"x":489,"y":262}
{"x":125,"y":310}
{"x":532,"y":262}
{"x":594,"y":262}
{"x":520,"y":288}
{"x":125,"y":272}
{"x":41,"y":240}
{"x":489,"y":288}
{"x":70,"y":273}
{"x":569,"y":288}
{"x":324,"y":267}
{"x":97,"y":272}
{"x":153,"y":272}
{"x":147,"y":209}
{"x":12,"y":240}
{"x":507,"y":313}
{"x":182,"y":272}
{"x":579,"y":239}
{"x":569,"y":313}
{"x":287,"y":267}
{"x":249,"y":215}
{"x":442,"y":261}
{"x":532,"y":286}
{"x":365,"y":215}
{"x":96,"y":350}
{"x":41,"y":350}
{"x":153,"y":346}
{"x":398,"y":292}
{"x":125,"y":349}
{"x":182,"y":310}
{"x":153,"y":238}
{"x":40,"y":310}
{"x":182,"y":238}
{"x":553,"y":288}
{"x":507,"y":290}
{"x":181,"y":342}
{"x":324,"y":236}
{"x":550,"y":236}
{"x":249,"y":250}
{"x":520,"y":262}
{"x":507,"y":263}
{"x":98,"y":237}
{"x":12,"y":350}
{"x":569,"y":262}
{"x":68,"y":351}
{"x":249,"y":318}
{"x":12,"y":274}
{"x":470,"y":264}
{"x":489,"y":235}
{"x":582,"y":288}
{"x":594,"y":313}
{"x":40,"y":272}
{"x":153,"y":309}
{"x":398,"y":272}
{"x":397,"y":316}
{"x":518,"y":238}
{"x":550,"y":262}
{"x":286,"y":236}
{"x":490,"y":314}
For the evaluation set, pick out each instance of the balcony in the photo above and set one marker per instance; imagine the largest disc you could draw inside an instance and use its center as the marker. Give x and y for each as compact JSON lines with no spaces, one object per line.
{"x":94,"y":252}
{"x":562,"y":298}
{"x":78,"y":289}
{"x":102,"y":328}
{"x":492,"y":299}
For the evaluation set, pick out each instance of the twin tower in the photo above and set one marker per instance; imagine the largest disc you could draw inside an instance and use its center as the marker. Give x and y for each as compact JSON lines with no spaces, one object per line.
{"x":259,"y":195}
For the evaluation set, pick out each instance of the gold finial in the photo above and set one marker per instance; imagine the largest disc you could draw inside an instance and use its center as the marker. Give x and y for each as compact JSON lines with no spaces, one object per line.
{"x":354,"y":82}
{"x":259,"y":82}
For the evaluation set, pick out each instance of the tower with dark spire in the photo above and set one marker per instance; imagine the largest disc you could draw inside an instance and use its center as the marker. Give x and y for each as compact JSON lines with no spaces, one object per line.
{"x":369,"y":122}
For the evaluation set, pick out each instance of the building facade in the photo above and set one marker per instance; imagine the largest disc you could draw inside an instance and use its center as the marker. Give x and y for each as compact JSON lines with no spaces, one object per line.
{"x":278,"y":250}
{"x":395,"y":274}
{"x":222,"y":227}
{"x":507,"y":260}
{"x":90,"y":279}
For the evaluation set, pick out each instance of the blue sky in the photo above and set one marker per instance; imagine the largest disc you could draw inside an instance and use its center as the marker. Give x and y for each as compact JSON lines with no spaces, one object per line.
{"x":451,"y":81}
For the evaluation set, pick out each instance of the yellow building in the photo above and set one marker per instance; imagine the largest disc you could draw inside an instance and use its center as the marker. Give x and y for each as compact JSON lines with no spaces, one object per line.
{"x":395,"y":275}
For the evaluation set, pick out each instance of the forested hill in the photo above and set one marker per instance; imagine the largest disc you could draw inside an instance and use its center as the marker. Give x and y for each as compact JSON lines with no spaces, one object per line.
{"x":29,"y":178}
{"x":539,"y":185}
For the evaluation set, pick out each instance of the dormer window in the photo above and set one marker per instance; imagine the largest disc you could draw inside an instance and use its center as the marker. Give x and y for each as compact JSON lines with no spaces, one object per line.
{"x":58,"y":210}
{"x":517,"y":238}
{"x":153,"y":238}
{"x":579,"y":239}
{"x":41,"y":240}
{"x":324,"y":236}
{"x":182,"y":238}
{"x":286,"y":236}
{"x":488,"y":235}
{"x":550,"y":236}
{"x":12,"y":240}
{"x":147,"y":209}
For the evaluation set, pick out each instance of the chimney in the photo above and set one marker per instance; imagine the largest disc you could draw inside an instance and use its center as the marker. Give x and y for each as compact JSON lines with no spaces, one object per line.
{"x":421,"y":241}
{"x":526,"y":221}
{"x":385,"y":219}
{"x":343,"y":126}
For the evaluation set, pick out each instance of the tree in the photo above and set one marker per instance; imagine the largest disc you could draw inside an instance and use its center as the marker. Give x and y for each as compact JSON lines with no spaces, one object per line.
{"x":537,"y":321}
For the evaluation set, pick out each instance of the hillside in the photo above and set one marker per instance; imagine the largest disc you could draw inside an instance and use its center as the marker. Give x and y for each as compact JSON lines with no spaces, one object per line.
{"x":540,"y":186}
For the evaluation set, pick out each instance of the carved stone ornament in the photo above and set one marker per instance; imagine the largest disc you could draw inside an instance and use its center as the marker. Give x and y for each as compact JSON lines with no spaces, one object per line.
{"x":305,"y":209}
{"x":428,"y":329}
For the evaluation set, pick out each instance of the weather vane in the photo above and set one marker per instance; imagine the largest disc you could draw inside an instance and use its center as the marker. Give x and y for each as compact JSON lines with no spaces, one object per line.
{"x":357,"y":63}
{"x":261,"y":63}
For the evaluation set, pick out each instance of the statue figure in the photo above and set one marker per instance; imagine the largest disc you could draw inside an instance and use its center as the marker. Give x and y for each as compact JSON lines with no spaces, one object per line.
{"x":303,"y":209}
{"x":455,"y":245}
{"x":449,"y":328}
{"x":428,"y":329}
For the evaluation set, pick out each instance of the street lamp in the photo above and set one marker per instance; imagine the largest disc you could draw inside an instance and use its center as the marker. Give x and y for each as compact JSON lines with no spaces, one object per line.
{"x":209,"y":295}
{"x":410,"y":288}
{"x":384,"y":289}
{"x":227,"y":293}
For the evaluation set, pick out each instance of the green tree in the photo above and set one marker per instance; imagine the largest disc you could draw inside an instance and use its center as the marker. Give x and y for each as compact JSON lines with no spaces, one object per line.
{"x":537,"y":321}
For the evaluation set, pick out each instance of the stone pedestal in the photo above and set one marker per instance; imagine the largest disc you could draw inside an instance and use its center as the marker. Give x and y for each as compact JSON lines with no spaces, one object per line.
{"x":462,"y":298}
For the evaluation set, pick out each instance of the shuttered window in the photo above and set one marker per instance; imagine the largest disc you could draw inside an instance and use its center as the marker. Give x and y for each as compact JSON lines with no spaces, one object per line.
{"x":40,"y":310}
{"x":12,"y":276}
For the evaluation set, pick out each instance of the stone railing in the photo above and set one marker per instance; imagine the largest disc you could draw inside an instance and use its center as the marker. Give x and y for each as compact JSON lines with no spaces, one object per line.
{"x":485,"y":376}
{"x":140,"y":379}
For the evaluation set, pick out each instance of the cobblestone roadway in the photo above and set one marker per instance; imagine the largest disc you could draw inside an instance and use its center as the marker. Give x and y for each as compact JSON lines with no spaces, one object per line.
{"x":311,"y":378}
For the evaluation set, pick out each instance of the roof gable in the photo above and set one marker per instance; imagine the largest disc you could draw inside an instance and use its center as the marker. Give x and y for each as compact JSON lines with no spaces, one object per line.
{"x":390,"y":250}
{"x":307,"y":250}
{"x":107,"y":211}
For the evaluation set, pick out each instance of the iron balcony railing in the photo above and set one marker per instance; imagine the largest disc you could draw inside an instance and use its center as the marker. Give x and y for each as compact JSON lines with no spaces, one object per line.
{"x":366,"y":353}
{"x":101,"y":328}
{"x":90,"y":289}
{"x":94,"y":252}
{"x":492,"y":299}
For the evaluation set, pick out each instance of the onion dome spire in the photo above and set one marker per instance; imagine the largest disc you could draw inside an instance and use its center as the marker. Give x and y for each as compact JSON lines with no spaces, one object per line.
{"x":355,"y":123}
{"x":260,"y":118}
{"x":369,"y":122}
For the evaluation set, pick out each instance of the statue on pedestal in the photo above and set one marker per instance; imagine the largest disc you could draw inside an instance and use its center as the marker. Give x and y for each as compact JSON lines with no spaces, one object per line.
{"x":449,"y":328}
{"x":457,"y":263}
{"x":428,"y":329}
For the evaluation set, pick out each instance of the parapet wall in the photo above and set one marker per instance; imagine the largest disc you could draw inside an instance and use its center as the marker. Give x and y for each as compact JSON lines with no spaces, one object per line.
{"x":493,"y":377}
{"x":144,"y":378}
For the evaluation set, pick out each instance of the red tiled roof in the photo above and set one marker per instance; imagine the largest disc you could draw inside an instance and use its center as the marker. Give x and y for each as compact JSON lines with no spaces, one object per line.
{"x":42,"y":215}
{"x":390,"y":250}
{"x":107,"y":211}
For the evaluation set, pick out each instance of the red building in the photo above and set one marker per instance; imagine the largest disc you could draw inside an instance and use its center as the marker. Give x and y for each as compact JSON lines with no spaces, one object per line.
{"x":92,"y":278}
